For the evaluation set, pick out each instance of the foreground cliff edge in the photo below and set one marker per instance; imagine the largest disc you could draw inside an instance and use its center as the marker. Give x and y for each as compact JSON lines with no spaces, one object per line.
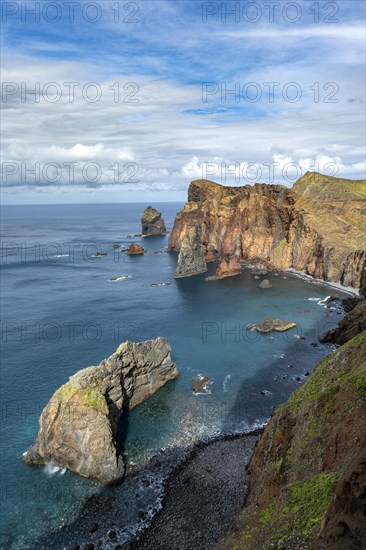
{"x":308,"y":471}
{"x":317,"y":227}
{"x":79,"y":424}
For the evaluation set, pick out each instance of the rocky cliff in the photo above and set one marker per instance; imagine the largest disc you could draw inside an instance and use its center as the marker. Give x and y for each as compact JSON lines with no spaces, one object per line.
{"x":317,"y":227}
{"x":79,"y":424}
{"x":308,"y":471}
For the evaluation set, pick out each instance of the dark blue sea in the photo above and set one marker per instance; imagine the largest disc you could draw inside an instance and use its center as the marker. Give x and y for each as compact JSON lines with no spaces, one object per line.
{"x":61,"y":312}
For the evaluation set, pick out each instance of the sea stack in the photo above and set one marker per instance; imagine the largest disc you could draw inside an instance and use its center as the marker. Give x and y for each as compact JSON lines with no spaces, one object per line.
{"x":79,"y":424}
{"x":191,"y":259}
{"x":152,"y":222}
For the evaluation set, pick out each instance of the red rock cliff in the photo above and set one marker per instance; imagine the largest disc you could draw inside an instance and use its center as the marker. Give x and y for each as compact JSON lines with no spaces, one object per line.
{"x":317,"y":227}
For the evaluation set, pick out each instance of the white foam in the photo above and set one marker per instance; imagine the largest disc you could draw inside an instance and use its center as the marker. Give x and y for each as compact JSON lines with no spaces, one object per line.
{"x":325,"y":301}
{"x":52,"y":469}
{"x":309,"y":278}
{"x":224,"y":385}
{"x":61,"y":256}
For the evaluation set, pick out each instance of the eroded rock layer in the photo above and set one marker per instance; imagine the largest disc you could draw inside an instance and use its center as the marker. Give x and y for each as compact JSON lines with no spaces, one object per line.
{"x":318,"y":227}
{"x":79,"y":424}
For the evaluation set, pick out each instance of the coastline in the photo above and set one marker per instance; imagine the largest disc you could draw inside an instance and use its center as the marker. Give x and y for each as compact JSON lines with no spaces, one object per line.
{"x":337,"y":286}
{"x":201,"y":496}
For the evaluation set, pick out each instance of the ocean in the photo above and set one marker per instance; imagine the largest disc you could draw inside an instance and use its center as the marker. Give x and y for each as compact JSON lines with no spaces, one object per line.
{"x":62,"y":312}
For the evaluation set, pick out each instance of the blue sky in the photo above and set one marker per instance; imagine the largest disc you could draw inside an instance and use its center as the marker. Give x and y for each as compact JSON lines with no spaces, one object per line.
{"x":297,"y":103}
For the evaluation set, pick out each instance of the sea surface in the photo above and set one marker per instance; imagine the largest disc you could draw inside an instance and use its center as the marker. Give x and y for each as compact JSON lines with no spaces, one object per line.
{"x":62,"y":312}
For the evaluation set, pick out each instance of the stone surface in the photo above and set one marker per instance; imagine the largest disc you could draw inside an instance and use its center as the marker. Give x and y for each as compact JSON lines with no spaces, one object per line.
{"x":228,"y":267}
{"x":152,"y":222}
{"x":191,"y":259}
{"x":78,"y":426}
{"x":272,"y":325}
{"x":201,"y":383}
{"x":265,"y":284}
{"x":353,"y":323}
{"x":135,"y":249}
{"x":317,"y":227}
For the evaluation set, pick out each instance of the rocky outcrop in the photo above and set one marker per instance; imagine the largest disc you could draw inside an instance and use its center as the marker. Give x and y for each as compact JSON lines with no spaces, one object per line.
{"x":79,"y":424}
{"x":191,"y":259}
{"x":317,"y":227}
{"x":265,"y":284}
{"x":228,"y":267}
{"x":135,"y":249}
{"x":272,"y":325}
{"x":201,"y":384}
{"x":152,"y":222}
{"x":352,"y":324}
{"x":307,"y":473}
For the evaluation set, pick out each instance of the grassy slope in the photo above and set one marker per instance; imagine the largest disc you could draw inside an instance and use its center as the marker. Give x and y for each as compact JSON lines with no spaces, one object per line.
{"x":307,"y":445}
{"x":335,"y":207}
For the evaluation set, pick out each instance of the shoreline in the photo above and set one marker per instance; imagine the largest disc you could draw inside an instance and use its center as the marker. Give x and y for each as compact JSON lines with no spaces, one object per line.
{"x":337,"y":286}
{"x":306,"y":277}
{"x":201,"y":496}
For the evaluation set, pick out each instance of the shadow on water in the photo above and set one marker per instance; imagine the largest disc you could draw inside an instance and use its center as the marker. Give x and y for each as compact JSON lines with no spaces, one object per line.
{"x":257,"y":397}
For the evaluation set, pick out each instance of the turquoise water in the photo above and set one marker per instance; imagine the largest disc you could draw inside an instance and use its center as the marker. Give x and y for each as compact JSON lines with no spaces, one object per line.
{"x":61,"y":312}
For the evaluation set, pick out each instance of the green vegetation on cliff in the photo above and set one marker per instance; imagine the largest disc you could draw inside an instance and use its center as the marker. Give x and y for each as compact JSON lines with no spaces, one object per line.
{"x":305,"y":450}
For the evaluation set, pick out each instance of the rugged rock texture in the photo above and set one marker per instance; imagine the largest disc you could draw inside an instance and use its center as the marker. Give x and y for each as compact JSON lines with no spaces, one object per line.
{"x":191,"y":259}
{"x":269,"y":325}
{"x":308,"y":471}
{"x":228,"y":267}
{"x":352,"y":324}
{"x":78,"y":426}
{"x":135,"y":249}
{"x":317,"y":227}
{"x":265,"y":284}
{"x":152,"y":222}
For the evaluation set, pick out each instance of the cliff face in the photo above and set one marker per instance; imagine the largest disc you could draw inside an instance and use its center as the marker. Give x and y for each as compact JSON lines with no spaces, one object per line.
{"x":79,"y":424}
{"x":317,"y":227}
{"x":308,"y":472}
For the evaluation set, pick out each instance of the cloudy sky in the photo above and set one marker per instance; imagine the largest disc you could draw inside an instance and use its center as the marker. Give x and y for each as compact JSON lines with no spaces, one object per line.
{"x":115,"y":101}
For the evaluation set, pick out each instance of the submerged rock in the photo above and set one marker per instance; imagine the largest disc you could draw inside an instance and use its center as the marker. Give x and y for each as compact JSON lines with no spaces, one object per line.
{"x":78,"y":426}
{"x":135,"y":249}
{"x":265,"y":284}
{"x":201,"y":383}
{"x":269,"y":325}
{"x":228,"y":267}
{"x":152,"y":222}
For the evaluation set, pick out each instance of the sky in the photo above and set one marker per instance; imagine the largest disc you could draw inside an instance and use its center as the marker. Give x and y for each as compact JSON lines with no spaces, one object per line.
{"x":128,"y":101}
